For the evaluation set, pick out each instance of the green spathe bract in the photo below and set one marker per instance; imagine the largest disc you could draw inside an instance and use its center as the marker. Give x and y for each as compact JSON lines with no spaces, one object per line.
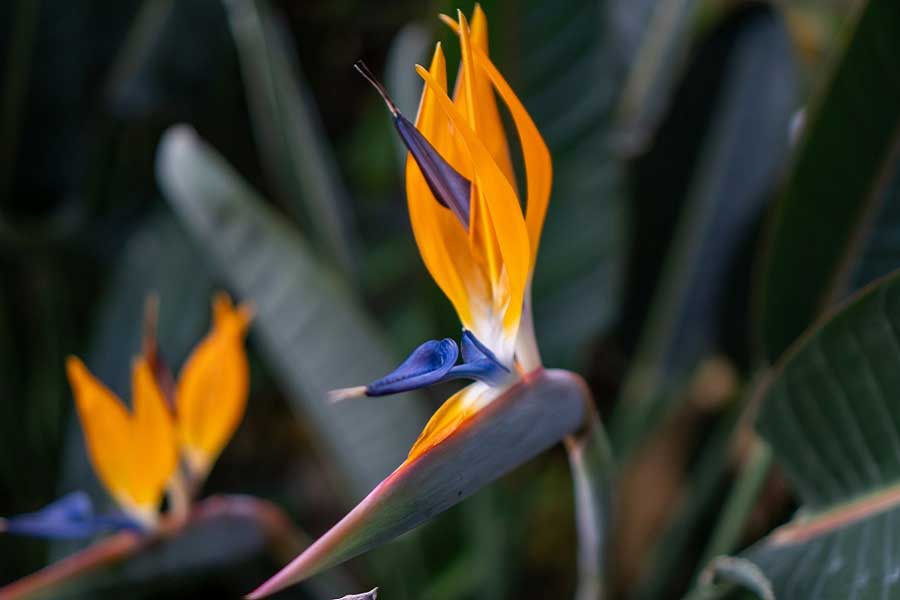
{"x":527,"y":419}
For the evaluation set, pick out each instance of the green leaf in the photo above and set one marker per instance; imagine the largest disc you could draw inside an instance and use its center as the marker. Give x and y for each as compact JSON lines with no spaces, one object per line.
{"x":830,"y":414}
{"x":308,"y":322}
{"x":739,"y":92}
{"x":846,"y":156}
{"x":512,"y":429}
{"x":653,"y":74}
{"x":291,"y":138}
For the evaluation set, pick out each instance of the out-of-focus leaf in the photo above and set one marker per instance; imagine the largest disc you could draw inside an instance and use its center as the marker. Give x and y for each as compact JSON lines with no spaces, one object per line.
{"x":653,"y":74}
{"x":15,"y":86}
{"x":593,"y":468}
{"x":725,"y":194}
{"x":295,"y":151}
{"x":410,"y":47}
{"x":316,"y":336}
{"x":831,"y":416}
{"x":558,"y":60}
{"x":697,"y":502}
{"x":512,"y":429}
{"x":837,"y":183}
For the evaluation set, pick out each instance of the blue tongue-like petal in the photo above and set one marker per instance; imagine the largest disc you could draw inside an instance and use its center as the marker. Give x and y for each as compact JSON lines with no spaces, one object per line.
{"x":478,"y":362}
{"x":428,"y":364}
{"x":449,"y":187}
{"x":473,"y":349}
{"x":70,"y":517}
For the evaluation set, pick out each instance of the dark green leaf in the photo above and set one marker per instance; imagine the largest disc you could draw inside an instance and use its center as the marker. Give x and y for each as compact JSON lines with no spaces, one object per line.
{"x":847,"y":155}
{"x":291,"y":138}
{"x":744,"y":78}
{"x":832,"y":418}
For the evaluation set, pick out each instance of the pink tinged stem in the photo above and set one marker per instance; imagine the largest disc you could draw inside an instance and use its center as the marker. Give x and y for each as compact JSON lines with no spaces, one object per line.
{"x":591,"y":462}
{"x":284,"y":541}
{"x":527,"y":419}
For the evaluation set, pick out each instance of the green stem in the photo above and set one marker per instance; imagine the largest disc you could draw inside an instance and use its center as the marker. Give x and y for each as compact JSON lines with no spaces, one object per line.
{"x":590,"y":459}
{"x":730,"y":526}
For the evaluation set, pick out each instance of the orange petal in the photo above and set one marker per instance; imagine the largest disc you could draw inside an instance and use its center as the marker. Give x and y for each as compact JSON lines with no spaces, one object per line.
{"x":442,"y":241}
{"x":211,"y":395}
{"x":107,"y":430}
{"x":154,"y":448}
{"x":538,"y":164}
{"x":452,"y":413}
{"x":474,"y":95}
{"x":501,"y":206}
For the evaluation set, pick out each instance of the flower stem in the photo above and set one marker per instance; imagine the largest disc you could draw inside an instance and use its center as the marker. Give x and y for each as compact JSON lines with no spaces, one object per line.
{"x":591,"y":462}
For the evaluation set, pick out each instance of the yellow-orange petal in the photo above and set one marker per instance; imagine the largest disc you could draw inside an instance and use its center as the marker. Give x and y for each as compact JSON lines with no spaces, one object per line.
{"x":153,"y":444}
{"x":499,"y":201}
{"x":441,"y":238}
{"x":225,"y":315}
{"x":538,"y":164}
{"x":452,"y":413}
{"x":473,"y":93}
{"x":106,"y":425}
{"x":211,"y":394}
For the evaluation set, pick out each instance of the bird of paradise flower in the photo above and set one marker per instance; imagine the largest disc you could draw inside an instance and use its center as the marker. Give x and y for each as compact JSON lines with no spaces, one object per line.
{"x":480,"y":247}
{"x":167,"y":442}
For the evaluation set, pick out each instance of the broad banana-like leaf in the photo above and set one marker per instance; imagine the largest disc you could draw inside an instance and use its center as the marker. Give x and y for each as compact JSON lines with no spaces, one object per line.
{"x":836,"y":192}
{"x":832,"y":417}
{"x":309,"y":323}
{"x":527,"y":419}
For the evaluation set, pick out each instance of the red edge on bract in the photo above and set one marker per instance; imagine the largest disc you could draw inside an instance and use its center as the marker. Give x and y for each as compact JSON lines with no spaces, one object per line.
{"x":311,"y":557}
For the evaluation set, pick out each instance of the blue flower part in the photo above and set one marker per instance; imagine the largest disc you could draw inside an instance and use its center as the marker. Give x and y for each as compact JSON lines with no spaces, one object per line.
{"x":478,"y":362}
{"x":428,"y":364}
{"x":473,"y":350}
{"x":70,"y":517}
{"x":449,"y":187}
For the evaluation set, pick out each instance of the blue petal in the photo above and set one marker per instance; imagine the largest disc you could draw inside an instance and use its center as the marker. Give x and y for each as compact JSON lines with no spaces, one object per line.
{"x":449,"y":187}
{"x":478,"y":362}
{"x":473,"y":350}
{"x":428,"y":364}
{"x":70,"y":517}
{"x":483,"y":369}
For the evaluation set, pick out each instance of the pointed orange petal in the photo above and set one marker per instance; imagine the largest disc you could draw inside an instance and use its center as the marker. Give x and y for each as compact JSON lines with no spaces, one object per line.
{"x":538,"y":164}
{"x":441,"y":239}
{"x":474,"y":95}
{"x":211,"y":395}
{"x":107,"y":430}
{"x":501,"y":204}
{"x":154,"y":448}
{"x":452,"y":413}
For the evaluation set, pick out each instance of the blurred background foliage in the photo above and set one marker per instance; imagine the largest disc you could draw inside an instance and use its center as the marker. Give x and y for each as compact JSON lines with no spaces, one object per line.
{"x":670,"y":127}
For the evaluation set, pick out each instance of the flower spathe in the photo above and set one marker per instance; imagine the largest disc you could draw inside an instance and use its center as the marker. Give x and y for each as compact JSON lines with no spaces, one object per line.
{"x":475,"y":239}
